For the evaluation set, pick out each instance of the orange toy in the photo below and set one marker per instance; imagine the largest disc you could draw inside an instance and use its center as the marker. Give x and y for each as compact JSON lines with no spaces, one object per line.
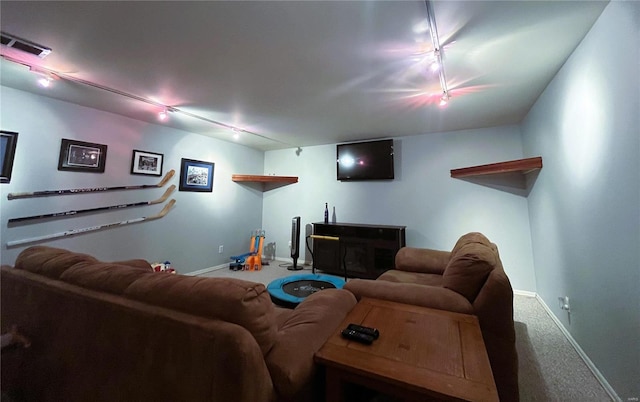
{"x":251,"y":261}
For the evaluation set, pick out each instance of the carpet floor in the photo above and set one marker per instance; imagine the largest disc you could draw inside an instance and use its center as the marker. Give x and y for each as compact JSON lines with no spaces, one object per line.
{"x":550,"y":369}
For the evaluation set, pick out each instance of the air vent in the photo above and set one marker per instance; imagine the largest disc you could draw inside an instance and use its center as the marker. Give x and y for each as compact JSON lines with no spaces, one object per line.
{"x":25,"y":45}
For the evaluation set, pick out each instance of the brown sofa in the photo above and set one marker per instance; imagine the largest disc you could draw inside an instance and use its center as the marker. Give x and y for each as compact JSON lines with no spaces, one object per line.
{"x":121,"y":332}
{"x":469,"y":279}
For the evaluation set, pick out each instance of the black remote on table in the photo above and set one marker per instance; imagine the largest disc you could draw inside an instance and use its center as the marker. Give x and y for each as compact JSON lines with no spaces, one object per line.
{"x":357,"y":336}
{"x":365,"y":330}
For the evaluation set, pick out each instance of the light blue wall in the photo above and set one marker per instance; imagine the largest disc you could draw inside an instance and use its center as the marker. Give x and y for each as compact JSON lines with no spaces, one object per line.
{"x":435,"y":208}
{"x":585,"y":206}
{"x":188,"y":236}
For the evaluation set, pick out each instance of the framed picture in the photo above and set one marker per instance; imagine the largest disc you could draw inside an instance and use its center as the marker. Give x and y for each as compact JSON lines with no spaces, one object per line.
{"x":144,"y":162}
{"x":196,"y":175}
{"x":82,"y":156}
{"x":8,"y":141}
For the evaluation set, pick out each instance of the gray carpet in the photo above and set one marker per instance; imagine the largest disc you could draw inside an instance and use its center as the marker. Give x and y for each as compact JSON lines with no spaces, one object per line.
{"x":550,"y":369}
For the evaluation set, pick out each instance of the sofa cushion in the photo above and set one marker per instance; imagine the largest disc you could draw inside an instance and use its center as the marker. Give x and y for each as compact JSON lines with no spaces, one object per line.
{"x":49,"y":261}
{"x":135,"y":263}
{"x":394,"y":275}
{"x":472,"y":259}
{"x":301,"y":334}
{"x":104,"y":276}
{"x":422,"y":260}
{"x":241,"y":302}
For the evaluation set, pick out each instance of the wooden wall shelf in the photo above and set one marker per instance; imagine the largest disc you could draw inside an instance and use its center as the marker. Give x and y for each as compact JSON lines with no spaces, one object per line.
{"x":265,"y":183}
{"x":519,"y":166}
{"x":264,"y":179}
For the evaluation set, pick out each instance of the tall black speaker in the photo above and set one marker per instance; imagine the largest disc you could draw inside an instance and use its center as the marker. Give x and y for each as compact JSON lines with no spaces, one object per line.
{"x":295,"y":243}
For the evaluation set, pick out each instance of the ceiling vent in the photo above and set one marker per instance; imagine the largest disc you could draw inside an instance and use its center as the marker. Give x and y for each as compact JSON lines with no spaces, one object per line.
{"x":24,"y":45}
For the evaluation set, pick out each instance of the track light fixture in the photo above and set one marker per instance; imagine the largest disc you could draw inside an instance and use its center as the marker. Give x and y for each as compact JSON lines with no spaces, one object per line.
{"x":48,"y":76}
{"x":438,"y":65}
{"x":444,"y":99}
{"x":45,"y":78}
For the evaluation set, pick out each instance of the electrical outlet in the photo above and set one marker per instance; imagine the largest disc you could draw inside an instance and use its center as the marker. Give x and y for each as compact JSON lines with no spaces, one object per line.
{"x":564,"y":303}
{"x":289,"y":243}
{"x":220,"y":249}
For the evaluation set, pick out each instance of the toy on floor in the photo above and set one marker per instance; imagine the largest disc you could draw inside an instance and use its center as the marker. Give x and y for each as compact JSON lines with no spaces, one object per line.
{"x":163,"y":267}
{"x":251,"y":261}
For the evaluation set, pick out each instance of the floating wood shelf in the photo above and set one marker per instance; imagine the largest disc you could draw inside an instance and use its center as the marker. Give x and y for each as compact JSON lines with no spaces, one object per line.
{"x":264,"y":179}
{"x":520,"y":166}
{"x":265,"y":183}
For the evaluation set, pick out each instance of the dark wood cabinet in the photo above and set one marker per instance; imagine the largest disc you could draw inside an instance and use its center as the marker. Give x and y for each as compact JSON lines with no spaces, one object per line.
{"x":364,"y":251}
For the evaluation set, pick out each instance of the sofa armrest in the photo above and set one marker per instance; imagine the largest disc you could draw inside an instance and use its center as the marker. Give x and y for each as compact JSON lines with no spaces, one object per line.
{"x":410,"y":293}
{"x":422,"y":260}
{"x":290,"y":360}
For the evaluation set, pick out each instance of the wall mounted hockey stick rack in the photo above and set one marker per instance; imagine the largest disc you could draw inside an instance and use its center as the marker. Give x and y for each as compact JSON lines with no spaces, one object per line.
{"x":47,"y":193}
{"x":97,"y":209}
{"x":72,"y":232}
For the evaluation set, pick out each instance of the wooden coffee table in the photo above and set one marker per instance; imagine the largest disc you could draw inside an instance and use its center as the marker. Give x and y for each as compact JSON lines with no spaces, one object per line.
{"x":421,"y":354}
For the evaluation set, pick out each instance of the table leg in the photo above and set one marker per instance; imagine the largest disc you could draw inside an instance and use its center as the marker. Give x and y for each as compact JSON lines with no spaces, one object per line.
{"x":334,"y":391}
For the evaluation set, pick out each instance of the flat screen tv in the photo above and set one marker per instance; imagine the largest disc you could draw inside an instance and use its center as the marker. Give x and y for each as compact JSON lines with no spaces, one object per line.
{"x":372,"y":160}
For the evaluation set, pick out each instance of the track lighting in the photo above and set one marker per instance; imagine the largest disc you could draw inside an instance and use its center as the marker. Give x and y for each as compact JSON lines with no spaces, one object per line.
{"x":435,"y":65}
{"x":45,"y":78}
{"x":45,"y":82}
{"x":438,"y":65}
{"x":444,"y":99}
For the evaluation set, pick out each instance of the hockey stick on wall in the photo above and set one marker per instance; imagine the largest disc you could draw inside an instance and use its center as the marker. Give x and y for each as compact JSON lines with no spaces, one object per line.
{"x":108,"y":208}
{"x":72,"y":232}
{"x":46,"y":193}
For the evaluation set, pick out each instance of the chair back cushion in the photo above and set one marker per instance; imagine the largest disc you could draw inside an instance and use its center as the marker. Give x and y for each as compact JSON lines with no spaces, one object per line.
{"x":104,"y":276}
{"x":472,"y":259}
{"x":50,"y":261}
{"x":245,"y":303}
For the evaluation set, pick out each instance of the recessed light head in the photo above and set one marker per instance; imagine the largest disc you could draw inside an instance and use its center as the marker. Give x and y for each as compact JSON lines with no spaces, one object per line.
{"x":45,"y":82}
{"x":45,"y":78}
{"x":163,"y":115}
{"x":444,"y":100}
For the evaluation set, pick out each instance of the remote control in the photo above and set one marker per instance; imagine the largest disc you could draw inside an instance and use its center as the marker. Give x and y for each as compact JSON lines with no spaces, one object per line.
{"x":365,"y":330}
{"x":357,"y":336}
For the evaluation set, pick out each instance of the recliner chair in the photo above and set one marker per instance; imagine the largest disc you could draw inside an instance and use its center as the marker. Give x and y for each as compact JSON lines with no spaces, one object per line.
{"x":469,"y":279}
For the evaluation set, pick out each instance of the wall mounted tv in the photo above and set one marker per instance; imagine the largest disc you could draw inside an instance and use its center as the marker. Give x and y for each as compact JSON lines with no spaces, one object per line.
{"x":372,"y":160}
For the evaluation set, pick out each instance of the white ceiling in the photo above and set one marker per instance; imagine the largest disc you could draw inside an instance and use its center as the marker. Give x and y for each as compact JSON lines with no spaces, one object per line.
{"x":298,"y":73}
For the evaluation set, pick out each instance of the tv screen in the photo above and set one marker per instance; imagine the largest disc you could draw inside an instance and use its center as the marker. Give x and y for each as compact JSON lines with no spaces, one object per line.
{"x":371,"y":160}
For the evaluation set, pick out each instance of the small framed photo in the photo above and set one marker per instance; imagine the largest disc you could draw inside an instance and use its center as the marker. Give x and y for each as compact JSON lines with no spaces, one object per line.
{"x":196,"y":175}
{"x":8,"y":141}
{"x":82,"y":156}
{"x":148,"y":163}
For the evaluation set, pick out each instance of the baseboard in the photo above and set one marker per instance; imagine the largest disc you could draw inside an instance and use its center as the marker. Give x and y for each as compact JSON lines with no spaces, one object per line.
{"x":603,"y":381}
{"x":289,"y":261}
{"x":226,"y":265}
{"x":525,"y":293}
{"x":206,"y":270}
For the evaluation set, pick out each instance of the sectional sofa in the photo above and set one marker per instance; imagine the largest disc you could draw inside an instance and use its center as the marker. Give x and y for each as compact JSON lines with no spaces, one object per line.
{"x":120,"y":332}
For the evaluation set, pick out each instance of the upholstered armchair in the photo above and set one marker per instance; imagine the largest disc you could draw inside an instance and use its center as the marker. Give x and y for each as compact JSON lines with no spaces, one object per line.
{"x":469,"y":279}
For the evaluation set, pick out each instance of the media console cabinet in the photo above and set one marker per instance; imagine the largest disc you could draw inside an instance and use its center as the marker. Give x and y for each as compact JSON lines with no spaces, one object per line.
{"x":364,"y":251}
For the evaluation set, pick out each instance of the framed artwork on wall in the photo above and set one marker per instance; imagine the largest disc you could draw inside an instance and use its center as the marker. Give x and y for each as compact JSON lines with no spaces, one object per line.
{"x":146,"y":163}
{"x":196,"y":175}
{"x":82,"y":156}
{"x":8,"y":141}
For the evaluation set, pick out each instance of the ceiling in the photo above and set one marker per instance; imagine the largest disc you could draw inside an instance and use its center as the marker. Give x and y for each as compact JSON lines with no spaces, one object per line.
{"x":295,"y":74}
